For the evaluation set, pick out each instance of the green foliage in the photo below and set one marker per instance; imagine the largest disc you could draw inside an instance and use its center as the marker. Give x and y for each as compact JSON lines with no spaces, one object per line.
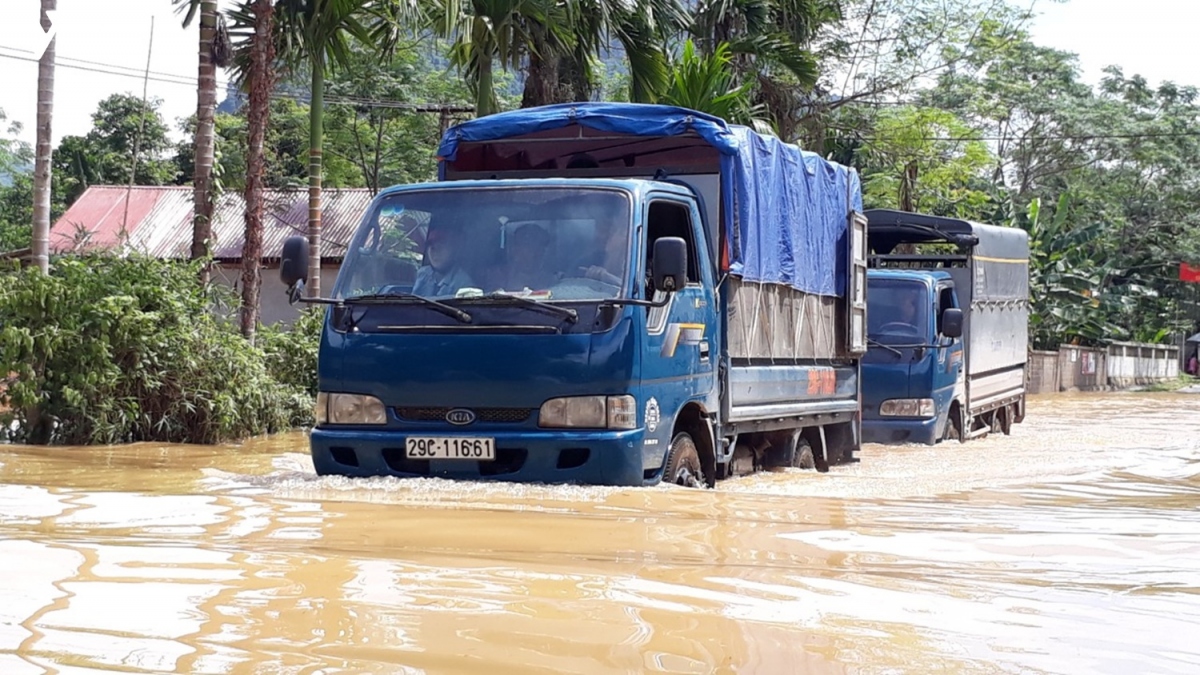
{"x":911,"y":165}
{"x":16,"y":187}
{"x":110,"y":350}
{"x":15,"y":154}
{"x":104,"y":156}
{"x":291,"y":353}
{"x":16,"y":213}
{"x":1064,"y":281}
{"x":706,"y":84}
{"x":389,"y":145}
{"x":1121,"y":162}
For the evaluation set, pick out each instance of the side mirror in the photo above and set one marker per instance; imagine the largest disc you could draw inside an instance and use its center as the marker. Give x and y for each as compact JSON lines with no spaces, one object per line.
{"x":293,"y":263}
{"x":670,"y":264}
{"x":952,"y":322}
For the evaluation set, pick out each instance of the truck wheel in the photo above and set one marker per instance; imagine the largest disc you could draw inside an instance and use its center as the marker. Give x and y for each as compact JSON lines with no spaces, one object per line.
{"x":803,"y":457}
{"x":1004,"y":415}
{"x":683,"y":463}
{"x":956,"y":425}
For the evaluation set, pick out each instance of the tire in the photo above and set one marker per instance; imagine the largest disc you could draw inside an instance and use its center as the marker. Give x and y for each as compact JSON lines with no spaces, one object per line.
{"x":956,"y":424}
{"x":683,"y":463}
{"x":803,"y":457}
{"x":1004,"y":416}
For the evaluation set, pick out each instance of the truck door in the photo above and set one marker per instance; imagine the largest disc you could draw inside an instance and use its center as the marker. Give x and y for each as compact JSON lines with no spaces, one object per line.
{"x":681,"y":345}
{"x":949,"y":377}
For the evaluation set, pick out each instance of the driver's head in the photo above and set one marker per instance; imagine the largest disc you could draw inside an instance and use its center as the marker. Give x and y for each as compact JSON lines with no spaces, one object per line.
{"x":527,"y":245}
{"x":908,"y":309}
{"x":441,"y":245}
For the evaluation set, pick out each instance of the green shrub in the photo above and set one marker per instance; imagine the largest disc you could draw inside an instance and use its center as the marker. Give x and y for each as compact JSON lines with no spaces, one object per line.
{"x":292,"y":353}
{"x":110,"y":350}
{"x":291,"y":359}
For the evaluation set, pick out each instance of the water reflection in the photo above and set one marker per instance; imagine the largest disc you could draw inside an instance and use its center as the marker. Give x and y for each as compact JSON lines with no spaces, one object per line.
{"x":1069,"y":547}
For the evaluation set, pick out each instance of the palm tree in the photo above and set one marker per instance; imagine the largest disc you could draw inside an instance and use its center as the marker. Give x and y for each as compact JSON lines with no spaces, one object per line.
{"x":706,"y":84}
{"x":317,"y":35}
{"x":560,"y":58}
{"x":261,"y":81}
{"x":490,"y":32}
{"x":769,"y":41}
{"x":41,"y":171}
{"x":214,"y":52}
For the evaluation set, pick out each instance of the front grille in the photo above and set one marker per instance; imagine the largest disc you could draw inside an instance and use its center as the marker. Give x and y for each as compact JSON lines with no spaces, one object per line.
{"x":492,"y":415}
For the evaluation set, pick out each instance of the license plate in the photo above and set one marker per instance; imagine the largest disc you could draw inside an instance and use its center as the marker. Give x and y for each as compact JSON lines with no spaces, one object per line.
{"x":449,"y":447}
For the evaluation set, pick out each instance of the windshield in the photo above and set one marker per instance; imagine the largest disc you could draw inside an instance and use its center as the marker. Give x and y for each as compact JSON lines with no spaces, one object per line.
{"x":541,"y":243}
{"x":897,"y":311}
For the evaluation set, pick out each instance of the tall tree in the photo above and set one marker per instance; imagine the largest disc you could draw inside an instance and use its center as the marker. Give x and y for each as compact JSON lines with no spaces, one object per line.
{"x":770,"y":42}
{"x":389,"y":144}
{"x":490,"y":33}
{"x":317,"y":35}
{"x":104,"y":155}
{"x":260,"y":80}
{"x":45,"y":118}
{"x":214,"y":52}
{"x":924,"y":159}
{"x":561,"y":56}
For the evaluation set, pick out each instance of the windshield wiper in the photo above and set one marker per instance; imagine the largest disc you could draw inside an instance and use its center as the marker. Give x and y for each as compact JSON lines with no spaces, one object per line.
{"x":406,"y":298}
{"x":876,"y":343}
{"x":566,"y":312}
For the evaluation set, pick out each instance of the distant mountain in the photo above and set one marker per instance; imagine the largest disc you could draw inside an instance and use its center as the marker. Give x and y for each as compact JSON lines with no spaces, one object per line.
{"x":6,"y":177}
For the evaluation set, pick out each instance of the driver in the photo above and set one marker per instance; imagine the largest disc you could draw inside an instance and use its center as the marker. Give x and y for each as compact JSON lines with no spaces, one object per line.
{"x":444,"y":275}
{"x":526,"y":259}
{"x":908,"y":311}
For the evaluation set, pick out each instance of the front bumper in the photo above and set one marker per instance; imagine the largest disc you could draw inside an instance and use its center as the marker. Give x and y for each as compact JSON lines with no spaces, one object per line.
{"x":584,"y":457}
{"x":900,"y":430}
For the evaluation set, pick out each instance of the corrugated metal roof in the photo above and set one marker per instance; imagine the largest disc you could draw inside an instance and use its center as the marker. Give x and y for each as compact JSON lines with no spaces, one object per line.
{"x":160,"y":220}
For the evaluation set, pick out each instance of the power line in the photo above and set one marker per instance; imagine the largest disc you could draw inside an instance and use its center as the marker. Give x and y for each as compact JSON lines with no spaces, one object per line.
{"x":182,"y":80}
{"x":1064,"y":137}
{"x":188,"y":81}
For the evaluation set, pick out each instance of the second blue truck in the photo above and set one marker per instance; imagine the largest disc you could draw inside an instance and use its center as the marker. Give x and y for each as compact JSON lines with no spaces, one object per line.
{"x":948,"y":328}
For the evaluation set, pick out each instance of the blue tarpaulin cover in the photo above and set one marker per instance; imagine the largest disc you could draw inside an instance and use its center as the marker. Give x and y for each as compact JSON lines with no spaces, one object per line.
{"x":789,"y":206}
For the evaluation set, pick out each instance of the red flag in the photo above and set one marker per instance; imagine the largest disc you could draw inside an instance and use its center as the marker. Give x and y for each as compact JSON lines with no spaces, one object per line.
{"x":1189,"y":273}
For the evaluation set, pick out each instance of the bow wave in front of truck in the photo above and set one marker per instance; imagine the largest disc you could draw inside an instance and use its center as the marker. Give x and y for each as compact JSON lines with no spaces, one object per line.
{"x":599,"y":293}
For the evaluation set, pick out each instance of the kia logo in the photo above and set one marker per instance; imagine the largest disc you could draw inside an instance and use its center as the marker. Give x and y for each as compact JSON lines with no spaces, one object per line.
{"x":460,"y":416}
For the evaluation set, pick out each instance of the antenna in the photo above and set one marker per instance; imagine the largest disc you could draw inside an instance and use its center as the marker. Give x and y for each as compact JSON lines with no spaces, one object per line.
{"x":137,"y":141}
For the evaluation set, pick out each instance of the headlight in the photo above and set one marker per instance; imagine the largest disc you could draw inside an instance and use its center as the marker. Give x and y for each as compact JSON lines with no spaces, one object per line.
{"x":907,"y":407}
{"x":350,"y":409}
{"x":594,"y":412}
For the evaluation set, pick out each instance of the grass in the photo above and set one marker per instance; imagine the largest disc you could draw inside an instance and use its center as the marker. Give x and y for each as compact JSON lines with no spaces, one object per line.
{"x":1172,"y":385}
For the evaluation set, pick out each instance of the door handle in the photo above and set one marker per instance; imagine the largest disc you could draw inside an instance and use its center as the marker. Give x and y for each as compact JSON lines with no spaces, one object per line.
{"x":704,"y":350}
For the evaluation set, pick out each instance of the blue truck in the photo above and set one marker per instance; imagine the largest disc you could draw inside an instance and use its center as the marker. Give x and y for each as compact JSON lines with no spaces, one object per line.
{"x":597,"y":293}
{"x":948,"y":323}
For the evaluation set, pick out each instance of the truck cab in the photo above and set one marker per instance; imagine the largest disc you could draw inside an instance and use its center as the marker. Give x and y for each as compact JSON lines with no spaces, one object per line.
{"x":529,"y":340}
{"x":913,"y":371}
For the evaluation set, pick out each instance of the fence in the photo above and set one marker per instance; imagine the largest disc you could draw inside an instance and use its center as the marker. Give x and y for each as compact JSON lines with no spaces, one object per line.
{"x":1132,"y":363}
{"x":1121,"y":364}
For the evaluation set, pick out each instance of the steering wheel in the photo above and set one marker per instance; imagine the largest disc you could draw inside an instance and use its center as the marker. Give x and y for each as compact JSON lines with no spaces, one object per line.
{"x":899,"y":327}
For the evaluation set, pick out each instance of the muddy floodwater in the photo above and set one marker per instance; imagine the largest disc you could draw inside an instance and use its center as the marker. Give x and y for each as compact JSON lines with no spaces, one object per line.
{"x":1072,"y":546}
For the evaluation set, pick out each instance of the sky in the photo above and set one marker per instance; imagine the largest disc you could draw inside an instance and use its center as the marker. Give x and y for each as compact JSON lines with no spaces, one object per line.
{"x":1154,"y":38}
